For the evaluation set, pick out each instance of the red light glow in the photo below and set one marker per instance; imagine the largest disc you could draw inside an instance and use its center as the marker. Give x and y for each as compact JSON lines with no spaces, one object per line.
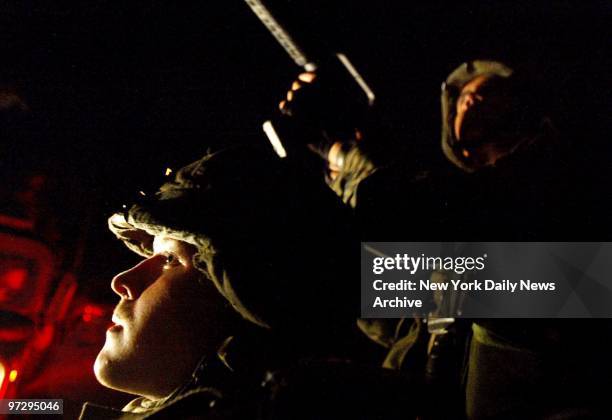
{"x":2,"y":383}
{"x":92,"y":311}
{"x":15,"y":278}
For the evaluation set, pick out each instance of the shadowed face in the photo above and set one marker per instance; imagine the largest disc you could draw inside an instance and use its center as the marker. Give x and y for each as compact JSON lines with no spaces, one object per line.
{"x":166,"y":321}
{"x":481,"y":117}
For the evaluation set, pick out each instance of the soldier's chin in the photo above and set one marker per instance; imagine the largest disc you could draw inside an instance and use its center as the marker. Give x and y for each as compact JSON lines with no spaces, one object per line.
{"x":108,"y":371}
{"x":101,"y":368}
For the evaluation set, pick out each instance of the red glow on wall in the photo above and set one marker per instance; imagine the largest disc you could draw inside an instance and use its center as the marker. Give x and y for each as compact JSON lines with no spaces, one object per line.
{"x":16,"y":333}
{"x":29,"y":264}
{"x":15,"y":278}
{"x":90,"y":312}
{"x":3,"y":382}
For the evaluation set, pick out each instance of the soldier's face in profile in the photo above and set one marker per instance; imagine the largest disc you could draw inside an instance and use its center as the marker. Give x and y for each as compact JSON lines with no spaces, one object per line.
{"x":166,"y":320}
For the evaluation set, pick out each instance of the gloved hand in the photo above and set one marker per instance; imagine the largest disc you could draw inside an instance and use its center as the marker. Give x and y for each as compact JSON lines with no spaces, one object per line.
{"x":324,"y":109}
{"x":287,"y":106}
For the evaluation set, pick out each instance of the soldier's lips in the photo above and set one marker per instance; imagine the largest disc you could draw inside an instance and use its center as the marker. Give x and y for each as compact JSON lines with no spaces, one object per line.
{"x":114,"y":328}
{"x":115,"y":324}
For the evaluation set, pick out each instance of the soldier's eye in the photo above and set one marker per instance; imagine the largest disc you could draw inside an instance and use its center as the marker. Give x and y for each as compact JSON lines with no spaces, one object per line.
{"x":171,"y":260}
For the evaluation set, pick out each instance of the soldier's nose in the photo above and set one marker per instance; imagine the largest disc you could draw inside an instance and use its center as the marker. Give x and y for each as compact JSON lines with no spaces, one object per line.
{"x":131,"y":283}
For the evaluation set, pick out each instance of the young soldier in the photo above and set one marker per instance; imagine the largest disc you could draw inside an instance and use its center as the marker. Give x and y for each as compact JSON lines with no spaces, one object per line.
{"x":245,"y":303}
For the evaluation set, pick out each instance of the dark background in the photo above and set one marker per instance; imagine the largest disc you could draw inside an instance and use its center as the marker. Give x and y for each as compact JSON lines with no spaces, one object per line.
{"x":121,"y":90}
